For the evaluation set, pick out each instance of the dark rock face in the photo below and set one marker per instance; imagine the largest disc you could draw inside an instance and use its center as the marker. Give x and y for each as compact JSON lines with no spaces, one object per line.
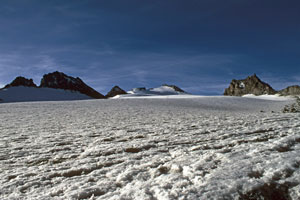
{"x":59,"y":80}
{"x":250,"y":85}
{"x":177,"y":89}
{"x":115,"y":91}
{"x":291,"y":90}
{"x":21,"y":81}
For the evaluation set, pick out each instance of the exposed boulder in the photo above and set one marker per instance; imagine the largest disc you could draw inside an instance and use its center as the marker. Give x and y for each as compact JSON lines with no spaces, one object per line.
{"x":116,"y":90}
{"x":21,"y":81}
{"x":250,"y":85}
{"x":291,"y":90}
{"x":59,"y":80}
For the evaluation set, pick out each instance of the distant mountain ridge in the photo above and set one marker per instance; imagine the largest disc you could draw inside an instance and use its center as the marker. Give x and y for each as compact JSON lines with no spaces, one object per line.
{"x":291,"y":90}
{"x":71,"y":88}
{"x":116,"y":90}
{"x":162,"y":90}
{"x":250,"y":85}
{"x":177,"y":89}
{"x":253,"y":85}
{"x":59,"y":80}
{"x":21,"y":81}
{"x":57,"y":86}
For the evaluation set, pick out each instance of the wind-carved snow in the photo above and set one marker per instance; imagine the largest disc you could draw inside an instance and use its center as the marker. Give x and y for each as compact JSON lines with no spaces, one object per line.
{"x":193,"y":148}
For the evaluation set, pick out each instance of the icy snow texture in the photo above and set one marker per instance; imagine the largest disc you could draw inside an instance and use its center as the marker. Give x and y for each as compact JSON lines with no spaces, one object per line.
{"x":23,"y":94}
{"x":193,"y":148}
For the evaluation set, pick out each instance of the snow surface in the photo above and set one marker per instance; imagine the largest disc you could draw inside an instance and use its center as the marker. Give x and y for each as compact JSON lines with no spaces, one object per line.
{"x":275,"y":97}
{"x":162,"y":90}
{"x":153,"y":96}
{"x":22,"y":94}
{"x":186,"y":148}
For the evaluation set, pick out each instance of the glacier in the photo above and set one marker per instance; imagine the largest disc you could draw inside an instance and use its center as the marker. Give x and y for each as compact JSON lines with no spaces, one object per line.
{"x":150,"y":148}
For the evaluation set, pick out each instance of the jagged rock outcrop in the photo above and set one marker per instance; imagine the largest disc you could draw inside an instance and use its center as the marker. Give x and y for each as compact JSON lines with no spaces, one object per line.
{"x":250,"y":85}
{"x":177,"y":89}
{"x":21,"y":81}
{"x":59,"y":80}
{"x":291,"y":90}
{"x":116,"y":90}
{"x":293,"y":108}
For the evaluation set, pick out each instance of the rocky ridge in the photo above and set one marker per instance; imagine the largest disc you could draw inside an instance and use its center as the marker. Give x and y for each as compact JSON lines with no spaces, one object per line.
{"x":116,"y":90}
{"x":253,"y":85}
{"x":250,"y":85}
{"x":21,"y":81}
{"x":59,"y":80}
{"x":291,"y":90}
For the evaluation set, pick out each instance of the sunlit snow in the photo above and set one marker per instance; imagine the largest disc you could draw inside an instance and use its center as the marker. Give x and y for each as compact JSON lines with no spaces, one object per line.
{"x":147,"y":148}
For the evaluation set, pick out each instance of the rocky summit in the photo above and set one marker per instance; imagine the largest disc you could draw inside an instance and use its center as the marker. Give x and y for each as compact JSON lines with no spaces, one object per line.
{"x":59,"y":80}
{"x":21,"y":81}
{"x":116,"y":90}
{"x":291,"y":90}
{"x":250,"y":85}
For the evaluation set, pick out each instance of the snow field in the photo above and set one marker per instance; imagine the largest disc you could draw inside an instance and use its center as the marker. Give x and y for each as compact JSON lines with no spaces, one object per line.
{"x":26,"y":94}
{"x":196,"y":148}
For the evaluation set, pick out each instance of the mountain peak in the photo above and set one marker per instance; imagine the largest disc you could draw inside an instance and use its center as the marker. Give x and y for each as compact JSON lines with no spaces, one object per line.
{"x":116,"y":90}
{"x":250,"y":85}
{"x":21,"y":81}
{"x":59,"y":80}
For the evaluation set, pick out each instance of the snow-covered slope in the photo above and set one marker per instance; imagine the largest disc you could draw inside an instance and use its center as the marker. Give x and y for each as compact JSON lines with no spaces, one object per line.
{"x":274,"y":97}
{"x":22,"y":94}
{"x":159,"y":91}
{"x":189,"y":148}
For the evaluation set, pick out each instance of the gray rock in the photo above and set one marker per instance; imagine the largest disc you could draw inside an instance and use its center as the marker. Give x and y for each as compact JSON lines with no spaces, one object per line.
{"x":116,"y":90}
{"x":250,"y":85}
{"x":291,"y":90}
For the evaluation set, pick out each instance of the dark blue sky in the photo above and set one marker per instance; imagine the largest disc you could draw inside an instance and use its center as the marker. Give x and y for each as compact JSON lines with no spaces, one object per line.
{"x":199,"y":45}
